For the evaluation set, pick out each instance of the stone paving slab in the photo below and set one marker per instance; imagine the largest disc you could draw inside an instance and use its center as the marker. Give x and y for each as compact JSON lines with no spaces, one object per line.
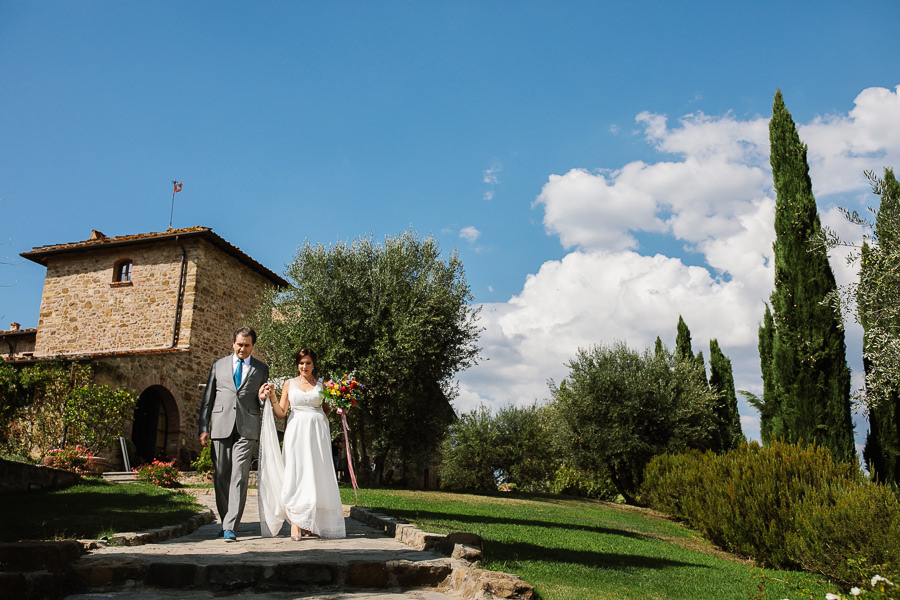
{"x":320,"y":568}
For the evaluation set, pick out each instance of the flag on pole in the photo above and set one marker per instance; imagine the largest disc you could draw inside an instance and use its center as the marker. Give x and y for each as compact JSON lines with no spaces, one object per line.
{"x":177,"y":185}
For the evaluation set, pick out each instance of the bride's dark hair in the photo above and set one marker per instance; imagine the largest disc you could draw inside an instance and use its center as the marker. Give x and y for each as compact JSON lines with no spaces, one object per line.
{"x":302,"y":352}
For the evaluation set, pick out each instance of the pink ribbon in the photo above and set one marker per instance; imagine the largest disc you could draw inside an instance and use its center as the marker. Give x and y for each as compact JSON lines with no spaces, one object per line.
{"x":349,"y":460}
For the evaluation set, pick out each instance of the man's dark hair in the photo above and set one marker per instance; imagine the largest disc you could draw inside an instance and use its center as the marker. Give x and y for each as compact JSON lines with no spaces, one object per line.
{"x":248,"y":331}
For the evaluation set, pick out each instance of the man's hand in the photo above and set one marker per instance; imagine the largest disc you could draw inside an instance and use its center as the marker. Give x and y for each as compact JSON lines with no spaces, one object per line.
{"x":264,"y":390}
{"x":204,"y":438}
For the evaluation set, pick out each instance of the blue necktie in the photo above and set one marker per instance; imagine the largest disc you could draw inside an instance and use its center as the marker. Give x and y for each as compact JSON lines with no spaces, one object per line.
{"x":238,"y":373}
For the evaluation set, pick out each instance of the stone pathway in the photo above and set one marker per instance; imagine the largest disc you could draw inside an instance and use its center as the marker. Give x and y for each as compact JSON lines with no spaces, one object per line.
{"x":366,"y":565}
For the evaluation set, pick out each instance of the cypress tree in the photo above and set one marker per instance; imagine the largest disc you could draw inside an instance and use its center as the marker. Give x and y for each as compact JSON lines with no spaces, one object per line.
{"x":658,"y":348}
{"x":809,"y":370}
{"x":683,"y":349}
{"x":701,"y":366}
{"x":768,"y":404}
{"x":878,"y":313}
{"x":721,"y":381}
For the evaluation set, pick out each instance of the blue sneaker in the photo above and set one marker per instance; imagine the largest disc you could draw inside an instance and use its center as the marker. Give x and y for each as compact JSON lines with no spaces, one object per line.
{"x":229,"y":536}
{"x":221,"y":533}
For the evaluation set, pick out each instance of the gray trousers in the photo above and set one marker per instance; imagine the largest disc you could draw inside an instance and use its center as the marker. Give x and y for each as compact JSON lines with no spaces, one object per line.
{"x":231,"y":457}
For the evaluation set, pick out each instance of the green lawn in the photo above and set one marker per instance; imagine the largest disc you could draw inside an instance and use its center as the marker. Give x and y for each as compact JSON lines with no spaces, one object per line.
{"x":572,"y":549}
{"x":92,"y":509}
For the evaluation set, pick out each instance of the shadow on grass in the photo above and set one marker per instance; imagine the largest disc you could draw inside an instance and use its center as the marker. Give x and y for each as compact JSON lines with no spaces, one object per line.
{"x":90,"y":509}
{"x":521,"y":551}
{"x":426,"y":517}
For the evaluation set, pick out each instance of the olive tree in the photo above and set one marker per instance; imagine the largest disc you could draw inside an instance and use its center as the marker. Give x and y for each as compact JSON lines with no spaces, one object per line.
{"x":516,"y":445}
{"x":623,"y":407}
{"x":397,"y":315}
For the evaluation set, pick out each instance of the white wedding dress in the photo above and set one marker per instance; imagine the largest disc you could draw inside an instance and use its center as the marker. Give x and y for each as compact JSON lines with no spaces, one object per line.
{"x":299,"y":486}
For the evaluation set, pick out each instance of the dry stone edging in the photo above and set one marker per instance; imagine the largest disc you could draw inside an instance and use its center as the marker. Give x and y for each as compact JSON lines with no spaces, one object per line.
{"x":465,"y":552}
{"x":154,"y":536}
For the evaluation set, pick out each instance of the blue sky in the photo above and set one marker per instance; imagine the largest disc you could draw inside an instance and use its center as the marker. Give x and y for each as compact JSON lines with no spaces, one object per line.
{"x":600,"y":167}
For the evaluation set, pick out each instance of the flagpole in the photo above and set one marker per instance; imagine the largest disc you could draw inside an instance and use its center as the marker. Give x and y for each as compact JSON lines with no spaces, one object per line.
{"x":176,"y":187}
{"x":172,"y":210}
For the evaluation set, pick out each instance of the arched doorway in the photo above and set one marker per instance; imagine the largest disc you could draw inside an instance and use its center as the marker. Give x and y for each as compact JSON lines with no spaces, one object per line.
{"x":150,"y":431}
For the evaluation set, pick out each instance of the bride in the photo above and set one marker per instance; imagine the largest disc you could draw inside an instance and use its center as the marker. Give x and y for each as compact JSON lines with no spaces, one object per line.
{"x":300,"y":486}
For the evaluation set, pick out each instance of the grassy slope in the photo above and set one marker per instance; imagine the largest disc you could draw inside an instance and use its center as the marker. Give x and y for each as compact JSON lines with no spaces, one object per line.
{"x":570,"y":549}
{"x":90,"y":510}
{"x":573,"y":549}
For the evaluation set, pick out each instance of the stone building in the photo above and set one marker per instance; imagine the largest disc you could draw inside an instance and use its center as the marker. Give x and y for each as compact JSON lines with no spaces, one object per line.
{"x":151,"y":312}
{"x":16,"y":342}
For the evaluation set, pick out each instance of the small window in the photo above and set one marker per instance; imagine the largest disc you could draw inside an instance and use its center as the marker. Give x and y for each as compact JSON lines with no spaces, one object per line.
{"x":122,"y":272}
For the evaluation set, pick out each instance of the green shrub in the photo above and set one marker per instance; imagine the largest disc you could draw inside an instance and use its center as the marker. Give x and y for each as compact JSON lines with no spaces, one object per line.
{"x":785,"y":505}
{"x":746,"y":500}
{"x":863,"y":521}
{"x":516,"y":444}
{"x":203,"y":463}
{"x":669,"y":479}
{"x":588,"y":484}
{"x":163,"y":474}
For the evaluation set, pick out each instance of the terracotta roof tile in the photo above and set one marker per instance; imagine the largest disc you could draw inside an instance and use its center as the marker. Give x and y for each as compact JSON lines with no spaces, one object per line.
{"x":26,"y":331}
{"x":41,"y":254}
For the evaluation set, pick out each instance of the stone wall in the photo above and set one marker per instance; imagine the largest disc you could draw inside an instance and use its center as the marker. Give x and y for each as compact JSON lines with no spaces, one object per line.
{"x":83,"y":310}
{"x":19,"y":477}
{"x":227,"y":293}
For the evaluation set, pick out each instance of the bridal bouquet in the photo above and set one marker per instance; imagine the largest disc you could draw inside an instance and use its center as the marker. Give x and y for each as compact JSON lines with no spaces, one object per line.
{"x":343,"y":393}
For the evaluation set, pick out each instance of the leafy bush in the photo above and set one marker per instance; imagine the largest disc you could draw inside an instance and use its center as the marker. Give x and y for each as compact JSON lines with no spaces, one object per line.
{"x":864,"y":521}
{"x":467,"y":449}
{"x":95,"y":415}
{"x":588,"y":484}
{"x":159,"y":473}
{"x":75,"y":460}
{"x":55,"y":404}
{"x":203,"y":463}
{"x":515,"y":445}
{"x":670,"y":479}
{"x":785,"y":505}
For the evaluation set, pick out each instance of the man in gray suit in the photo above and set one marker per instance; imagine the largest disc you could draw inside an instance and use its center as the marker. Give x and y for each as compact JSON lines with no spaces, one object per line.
{"x":230,"y":415}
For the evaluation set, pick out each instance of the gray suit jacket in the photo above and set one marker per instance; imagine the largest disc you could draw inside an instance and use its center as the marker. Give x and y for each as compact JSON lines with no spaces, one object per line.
{"x":223,"y":406}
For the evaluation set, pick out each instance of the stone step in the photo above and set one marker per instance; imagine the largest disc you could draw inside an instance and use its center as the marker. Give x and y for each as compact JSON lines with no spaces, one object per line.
{"x":120,"y":476}
{"x":227,"y":575}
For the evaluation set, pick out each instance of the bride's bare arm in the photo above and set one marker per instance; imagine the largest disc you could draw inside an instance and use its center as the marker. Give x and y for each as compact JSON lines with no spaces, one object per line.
{"x":280,"y":408}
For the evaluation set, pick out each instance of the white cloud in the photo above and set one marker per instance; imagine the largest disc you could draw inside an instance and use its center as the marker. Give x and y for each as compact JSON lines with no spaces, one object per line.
{"x":491,"y":175}
{"x":723,"y":174}
{"x":841,"y":147}
{"x":470,"y":234}
{"x":713,"y":193}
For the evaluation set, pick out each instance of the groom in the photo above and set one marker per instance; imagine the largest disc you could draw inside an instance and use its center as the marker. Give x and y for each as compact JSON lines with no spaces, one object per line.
{"x":229,"y":414}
